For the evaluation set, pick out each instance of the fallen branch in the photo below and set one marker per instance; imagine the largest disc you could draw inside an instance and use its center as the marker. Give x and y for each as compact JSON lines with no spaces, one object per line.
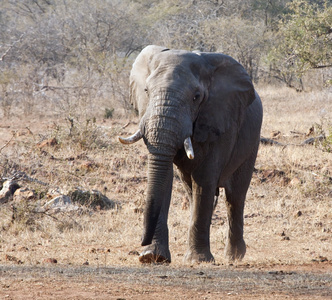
{"x":310,"y":141}
{"x":23,"y":176}
{"x":266,"y":141}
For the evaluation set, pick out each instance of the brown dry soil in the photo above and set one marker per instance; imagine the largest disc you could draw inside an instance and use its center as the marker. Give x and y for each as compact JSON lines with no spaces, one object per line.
{"x":261,"y":280}
{"x":313,"y":281}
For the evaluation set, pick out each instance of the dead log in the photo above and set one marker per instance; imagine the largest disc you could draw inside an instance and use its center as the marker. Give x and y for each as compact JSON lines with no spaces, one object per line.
{"x":266,"y":141}
{"x":313,"y":140}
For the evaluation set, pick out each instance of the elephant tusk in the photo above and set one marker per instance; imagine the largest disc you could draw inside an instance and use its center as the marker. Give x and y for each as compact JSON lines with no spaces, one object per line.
{"x":131,"y":139}
{"x":189,"y":148}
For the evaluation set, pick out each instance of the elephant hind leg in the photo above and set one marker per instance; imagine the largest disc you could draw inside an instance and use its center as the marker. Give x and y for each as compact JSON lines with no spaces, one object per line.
{"x":235,"y":246}
{"x":236,"y":190}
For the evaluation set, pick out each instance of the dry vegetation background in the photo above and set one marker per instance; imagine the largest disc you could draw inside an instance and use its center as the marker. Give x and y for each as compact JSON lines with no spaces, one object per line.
{"x":64,"y":90}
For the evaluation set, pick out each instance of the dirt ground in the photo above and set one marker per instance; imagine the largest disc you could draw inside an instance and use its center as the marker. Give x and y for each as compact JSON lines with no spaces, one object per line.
{"x":287,"y":218}
{"x":165,"y":282}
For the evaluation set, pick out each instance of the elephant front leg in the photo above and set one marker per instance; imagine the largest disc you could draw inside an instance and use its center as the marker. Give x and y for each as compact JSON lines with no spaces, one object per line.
{"x":158,"y":250}
{"x":199,"y":231}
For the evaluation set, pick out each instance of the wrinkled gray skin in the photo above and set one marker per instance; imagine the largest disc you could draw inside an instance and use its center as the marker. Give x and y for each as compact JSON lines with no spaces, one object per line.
{"x":210,"y":98}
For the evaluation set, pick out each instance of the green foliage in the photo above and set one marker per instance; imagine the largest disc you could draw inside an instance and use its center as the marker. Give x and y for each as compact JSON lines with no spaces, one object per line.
{"x":303,"y":41}
{"x":270,"y":11}
{"x":108,"y":113}
{"x":324,"y":128}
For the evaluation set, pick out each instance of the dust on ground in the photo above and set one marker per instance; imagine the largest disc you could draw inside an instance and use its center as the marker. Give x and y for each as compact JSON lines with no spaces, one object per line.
{"x":163,"y":281}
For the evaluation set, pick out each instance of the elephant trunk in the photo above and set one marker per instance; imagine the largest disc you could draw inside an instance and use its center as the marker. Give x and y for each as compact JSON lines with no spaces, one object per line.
{"x":166,"y":126}
{"x":160,"y":176}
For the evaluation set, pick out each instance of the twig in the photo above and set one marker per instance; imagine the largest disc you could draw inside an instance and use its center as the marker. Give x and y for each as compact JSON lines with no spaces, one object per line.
{"x":10,"y":47}
{"x":29,"y":130}
{"x":126,"y":125}
{"x":3,"y":147}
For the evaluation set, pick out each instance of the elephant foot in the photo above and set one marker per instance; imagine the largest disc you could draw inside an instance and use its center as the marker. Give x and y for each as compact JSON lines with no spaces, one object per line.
{"x":235,"y":251}
{"x":155,"y":254}
{"x":193,"y":256}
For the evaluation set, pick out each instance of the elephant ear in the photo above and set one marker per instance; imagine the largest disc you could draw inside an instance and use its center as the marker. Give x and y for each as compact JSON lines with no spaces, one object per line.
{"x":138,"y":75}
{"x":230,"y":92}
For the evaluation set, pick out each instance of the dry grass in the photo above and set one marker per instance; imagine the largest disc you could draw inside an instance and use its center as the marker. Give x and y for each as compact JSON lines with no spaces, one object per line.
{"x":288,"y":210}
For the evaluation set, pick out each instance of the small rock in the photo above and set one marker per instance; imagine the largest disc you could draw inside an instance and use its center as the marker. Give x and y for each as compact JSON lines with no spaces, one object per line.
{"x":52,"y":193}
{"x":295,"y":182}
{"x":24,"y":194}
{"x":23,"y":249}
{"x":138,"y":210}
{"x":298,"y":214}
{"x":133,"y":252}
{"x":323,"y":258}
{"x":47,"y":143}
{"x":275,"y":134}
{"x":59,"y":201}
{"x":284,"y":236}
{"x":13,"y":259}
{"x":94,"y":199}
{"x":50,"y":261}
{"x":8,"y":189}
{"x":87,"y":165}
{"x":86,"y":263}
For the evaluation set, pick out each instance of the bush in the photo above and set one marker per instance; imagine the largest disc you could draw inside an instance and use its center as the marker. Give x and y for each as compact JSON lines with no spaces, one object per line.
{"x":108,"y":113}
{"x":324,"y":129}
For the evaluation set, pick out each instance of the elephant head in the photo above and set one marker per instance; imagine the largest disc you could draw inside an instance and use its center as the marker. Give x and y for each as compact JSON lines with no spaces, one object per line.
{"x":183,"y":99}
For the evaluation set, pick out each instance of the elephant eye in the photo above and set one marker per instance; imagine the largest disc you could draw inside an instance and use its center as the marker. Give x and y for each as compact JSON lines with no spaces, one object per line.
{"x":146,"y":90}
{"x":197,"y":96}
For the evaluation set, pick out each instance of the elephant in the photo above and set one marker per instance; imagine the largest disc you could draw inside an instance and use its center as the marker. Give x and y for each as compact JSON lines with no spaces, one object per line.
{"x":199,"y":111}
